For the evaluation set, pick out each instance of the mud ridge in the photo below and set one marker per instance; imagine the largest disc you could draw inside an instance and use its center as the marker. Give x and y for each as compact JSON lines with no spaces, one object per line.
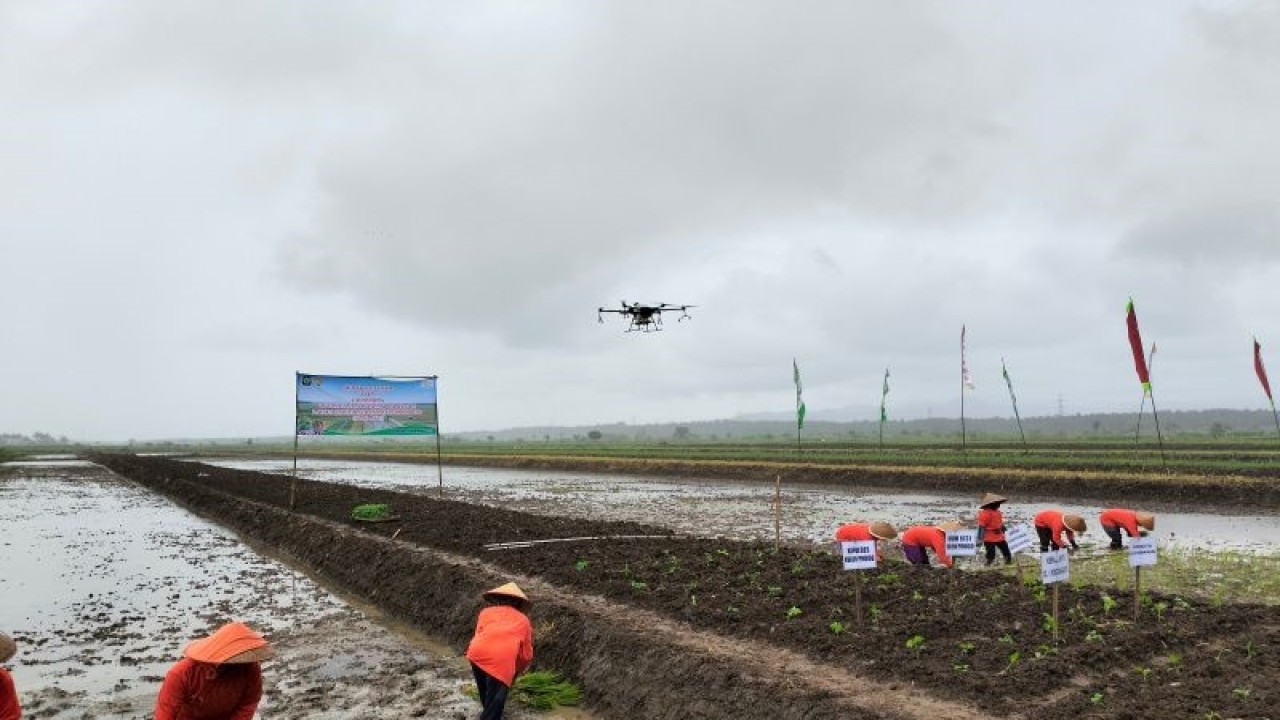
{"x":1103,"y":485}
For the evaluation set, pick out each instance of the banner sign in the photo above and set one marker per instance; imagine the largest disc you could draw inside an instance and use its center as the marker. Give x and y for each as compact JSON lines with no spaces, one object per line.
{"x":1020,"y":538}
{"x":859,"y":555}
{"x":962,"y":542}
{"x":358,"y":405}
{"x":1055,"y":567}
{"x":1142,"y":552}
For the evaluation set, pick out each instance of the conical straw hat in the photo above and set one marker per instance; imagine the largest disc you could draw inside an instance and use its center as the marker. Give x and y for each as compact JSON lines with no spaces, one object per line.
{"x":950,"y":525}
{"x":882,"y":530}
{"x":509,"y":590}
{"x":1147,"y":520}
{"x":232,"y":643}
{"x":8,"y":648}
{"x":992,"y":499}
{"x":1074,"y":522}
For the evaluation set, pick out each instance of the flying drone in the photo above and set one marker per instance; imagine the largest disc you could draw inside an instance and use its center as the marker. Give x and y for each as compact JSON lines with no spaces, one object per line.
{"x":645,"y":318}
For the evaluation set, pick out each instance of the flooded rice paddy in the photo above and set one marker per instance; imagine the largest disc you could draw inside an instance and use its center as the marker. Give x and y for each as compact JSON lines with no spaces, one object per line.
{"x":103,"y":583}
{"x":745,"y":510}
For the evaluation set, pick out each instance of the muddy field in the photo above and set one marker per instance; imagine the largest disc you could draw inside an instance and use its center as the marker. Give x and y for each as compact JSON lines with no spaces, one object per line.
{"x":102,"y":583}
{"x":928,"y":643}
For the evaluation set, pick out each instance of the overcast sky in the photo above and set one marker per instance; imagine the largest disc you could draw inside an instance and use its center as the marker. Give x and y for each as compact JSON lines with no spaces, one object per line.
{"x":198,"y":199}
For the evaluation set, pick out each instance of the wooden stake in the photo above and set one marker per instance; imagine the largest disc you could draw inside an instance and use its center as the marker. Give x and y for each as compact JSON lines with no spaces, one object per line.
{"x":1137,"y":592}
{"x":857,"y":596}
{"x":1056,"y":623}
{"x":777,"y":513}
{"x":1017,"y":564}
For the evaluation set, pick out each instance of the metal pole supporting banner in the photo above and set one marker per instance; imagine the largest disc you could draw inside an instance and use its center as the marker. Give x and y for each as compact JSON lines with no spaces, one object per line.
{"x":439,"y":459}
{"x":293,"y":481}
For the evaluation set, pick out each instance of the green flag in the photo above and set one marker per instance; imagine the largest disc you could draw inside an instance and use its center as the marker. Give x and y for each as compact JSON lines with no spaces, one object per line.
{"x":799,"y":397}
{"x":884,"y":416}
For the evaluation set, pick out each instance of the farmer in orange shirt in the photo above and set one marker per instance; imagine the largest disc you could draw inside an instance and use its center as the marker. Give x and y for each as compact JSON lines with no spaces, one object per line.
{"x":9,"y":707}
{"x":1114,"y":520}
{"x":502,"y":647}
{"x":1051,"y":525}
{"x":219,"y":679}
{"x":861,"y":532}
{"x":991,"y":527}
{"x":916,"y":540}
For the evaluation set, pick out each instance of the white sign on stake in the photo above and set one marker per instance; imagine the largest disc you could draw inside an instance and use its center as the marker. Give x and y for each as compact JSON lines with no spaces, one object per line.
{"x":859,"y":555}
{"x":1055,"y":567}
{"x":1020,"y":538}
{"x":962,"y":542}
{"x":1142,"y":552}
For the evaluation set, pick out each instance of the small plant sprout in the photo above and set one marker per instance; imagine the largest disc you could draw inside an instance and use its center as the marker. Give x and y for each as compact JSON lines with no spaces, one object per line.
{"x":1144,"y":673}
{"x":1095,"y":698}
{"x":1159,"y":609}
{"x":774,"y":590}
{"x":693,"y":600}
{"x":1250,"y":650}
{"x":794,"y":612}
{"x":639,"y":585}
{"x":1006,"y":639}
{"x":836,"y":627}
{"x":1093,"y":636}
{"x":581,"y":565}
{"x":960,"y":667}
{"x":1242,"y":693}
{"x":965,"y":647}
{"x":917,"y":595}
{"x":875,"y":611}
{"x":1213,"y":715}
{"x":1049,"y":624}
{"x":732,"y":609}
{"x":1175,"y":661}
{"x":1013,"y":659}
{"x":1108,"y":604}
{"x":915,"y":642}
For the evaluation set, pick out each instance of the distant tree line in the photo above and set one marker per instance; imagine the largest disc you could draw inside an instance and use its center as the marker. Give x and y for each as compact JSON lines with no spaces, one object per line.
{"x":1217,"y":424}
{"x":38,"y":438}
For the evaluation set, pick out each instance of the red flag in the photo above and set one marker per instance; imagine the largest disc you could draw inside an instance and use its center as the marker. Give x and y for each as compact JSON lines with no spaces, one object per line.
{"x":1135,"y":342}
{"x":1258,"y":367}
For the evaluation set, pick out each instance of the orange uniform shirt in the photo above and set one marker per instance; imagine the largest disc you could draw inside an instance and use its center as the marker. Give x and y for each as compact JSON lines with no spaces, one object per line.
{"x":1052,"y":519}
{"x":203,"y":691}
{"x":857,"y":532}
{"x":926,"y":536}
{"x":9,"y":708}
{"x":1115,"y":517}
{"x":992,"y":524}
{"x":503,"y":643}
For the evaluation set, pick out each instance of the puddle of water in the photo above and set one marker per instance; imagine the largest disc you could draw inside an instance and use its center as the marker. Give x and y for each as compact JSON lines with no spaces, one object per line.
{"x":102,"y":583}
{"x":744,"y":510}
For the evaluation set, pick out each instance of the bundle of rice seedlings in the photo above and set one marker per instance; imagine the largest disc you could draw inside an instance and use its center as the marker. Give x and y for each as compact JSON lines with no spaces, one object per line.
{"x":371,"y":512}
{"x":545,"y":690}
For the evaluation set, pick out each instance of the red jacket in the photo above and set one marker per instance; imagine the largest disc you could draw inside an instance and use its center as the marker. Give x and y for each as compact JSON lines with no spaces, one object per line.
{"x":9,"y":708}
{"x":503,"y":643}
{"x":1052,"y":519}
{"x":992,"y":524}
{"x":1115,"y":517}
{"x":203,"y":691}
{"x":928,"y":536}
